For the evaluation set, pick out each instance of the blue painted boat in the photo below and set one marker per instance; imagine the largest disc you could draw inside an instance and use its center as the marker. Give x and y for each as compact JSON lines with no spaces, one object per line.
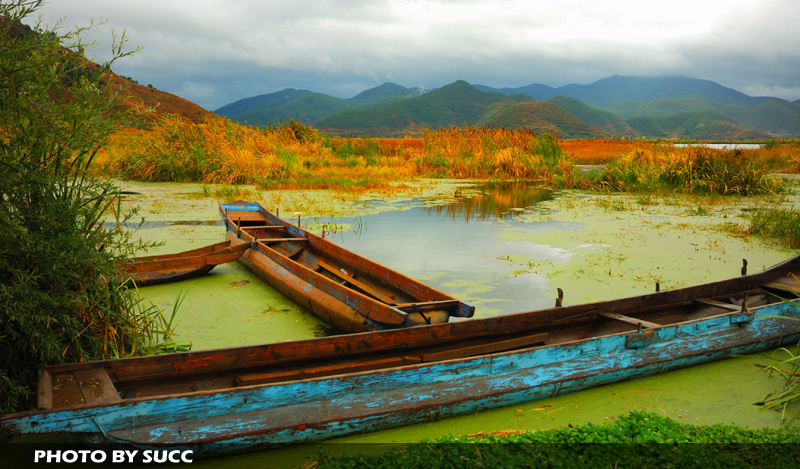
{"x":349,"y":292}
{"x":241,"y":398}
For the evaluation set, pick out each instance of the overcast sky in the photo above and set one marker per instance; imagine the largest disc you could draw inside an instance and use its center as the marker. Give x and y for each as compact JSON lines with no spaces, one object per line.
{"x":216,"y":52}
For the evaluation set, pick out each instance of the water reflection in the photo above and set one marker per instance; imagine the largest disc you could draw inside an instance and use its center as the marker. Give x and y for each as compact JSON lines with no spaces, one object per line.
{"x":492,"y":201}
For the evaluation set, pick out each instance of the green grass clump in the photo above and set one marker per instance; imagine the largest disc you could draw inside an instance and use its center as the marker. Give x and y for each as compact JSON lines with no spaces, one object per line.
{"x":781,"y":224}
{"x":692,"y":170}
{"x":637,"y":439}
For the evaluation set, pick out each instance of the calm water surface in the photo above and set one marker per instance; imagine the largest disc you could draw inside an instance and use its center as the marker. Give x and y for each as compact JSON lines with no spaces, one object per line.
{"x":459,"y":246}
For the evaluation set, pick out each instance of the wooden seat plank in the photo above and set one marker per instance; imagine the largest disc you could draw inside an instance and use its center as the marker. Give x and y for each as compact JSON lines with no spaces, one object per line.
{"x":429,"y":306}
{"x":96,"y":386}
{"x":324,"y":370}
{"x":65,"y":391}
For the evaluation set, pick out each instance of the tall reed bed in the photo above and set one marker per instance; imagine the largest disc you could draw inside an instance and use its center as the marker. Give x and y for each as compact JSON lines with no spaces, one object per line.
{"x":298,"y":156}
{"x":493,"y":153}
{"x":695,"y":170}
{"x":219,"y":151}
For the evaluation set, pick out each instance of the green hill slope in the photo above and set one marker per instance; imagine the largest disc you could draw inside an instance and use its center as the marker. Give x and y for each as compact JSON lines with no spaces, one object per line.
{"x":457,"y":104}
{"x":270,"y":109}
{"x":775,"y":116}
{"x":385,"y":94}
{"x":702,"y":125}
{"x":595,"y":117}
{"x":543,"y":117}
{"x":616,"y":88}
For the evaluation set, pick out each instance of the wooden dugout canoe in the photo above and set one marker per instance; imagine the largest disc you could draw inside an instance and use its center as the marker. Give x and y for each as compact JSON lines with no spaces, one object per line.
{"x":164,"y":268}
{"x":349,"y":292}
{"x":235,"y":399}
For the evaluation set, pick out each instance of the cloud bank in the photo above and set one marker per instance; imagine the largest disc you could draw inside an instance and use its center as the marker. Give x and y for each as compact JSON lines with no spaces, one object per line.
{"x":214,"y":52}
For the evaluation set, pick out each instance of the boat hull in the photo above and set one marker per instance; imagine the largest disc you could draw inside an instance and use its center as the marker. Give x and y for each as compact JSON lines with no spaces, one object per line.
{"x":316,"y":409}
{"x":284,"y":393}
{"x":165,"y":268}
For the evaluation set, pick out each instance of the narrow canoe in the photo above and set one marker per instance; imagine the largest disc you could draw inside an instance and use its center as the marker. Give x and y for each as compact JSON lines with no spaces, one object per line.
{"x":349,"y":292}
{"x":236,"y":399}
{"x":153,"y":270}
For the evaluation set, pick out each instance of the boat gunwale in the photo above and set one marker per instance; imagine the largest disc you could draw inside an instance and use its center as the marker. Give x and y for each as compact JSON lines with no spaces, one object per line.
{"x":382,"y":371}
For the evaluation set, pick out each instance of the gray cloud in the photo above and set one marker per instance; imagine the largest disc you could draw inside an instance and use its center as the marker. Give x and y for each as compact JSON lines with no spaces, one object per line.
{"x":215,"y":52}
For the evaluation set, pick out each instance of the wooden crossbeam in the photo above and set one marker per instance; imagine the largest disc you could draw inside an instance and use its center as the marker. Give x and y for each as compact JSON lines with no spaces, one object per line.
{"x":280,"y":240}
{"x":262,"y":227}
{"x":719,"y":304}
{"x":630,"y":320}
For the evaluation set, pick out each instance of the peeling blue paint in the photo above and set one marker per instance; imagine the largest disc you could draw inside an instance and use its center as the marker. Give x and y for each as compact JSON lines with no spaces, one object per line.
{"x":361,"y":402}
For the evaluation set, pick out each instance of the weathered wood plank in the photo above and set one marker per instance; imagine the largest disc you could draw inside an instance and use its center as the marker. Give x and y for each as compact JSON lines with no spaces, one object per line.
{"x":503,"y":345}
{"x":718,"y":304}
{"x":348,"y":278}
{"x":269,"y":241}
{"x":325,"y":370}
{"x":44,"y":392}
{"x":65,"y":391}
{"x":96,"y":386}
{"x":629,"y":320}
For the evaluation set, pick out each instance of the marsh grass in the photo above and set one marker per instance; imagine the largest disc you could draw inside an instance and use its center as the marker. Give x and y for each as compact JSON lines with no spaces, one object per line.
{"x":690,"y":170}
{"x":637,"y":439}
{"x":781,"y":224}
{"x":788,"y":368}
{"x":227,"y":193}
{"x":219,"y":151}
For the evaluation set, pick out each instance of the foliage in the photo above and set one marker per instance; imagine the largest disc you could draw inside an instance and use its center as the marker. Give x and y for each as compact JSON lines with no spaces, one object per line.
{"x":691,"y":170}
{"x":782,"y":224}
{"x":296,"y":155}
{"x":789,"y":369}
{"x":637,"y":439}
{"x":219,"y":151}
{"x":59,"y":301}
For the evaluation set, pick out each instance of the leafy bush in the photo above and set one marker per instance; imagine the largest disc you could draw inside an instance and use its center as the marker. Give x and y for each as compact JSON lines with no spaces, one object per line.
{"x":59,"y":301}
{"x":637,"y":439}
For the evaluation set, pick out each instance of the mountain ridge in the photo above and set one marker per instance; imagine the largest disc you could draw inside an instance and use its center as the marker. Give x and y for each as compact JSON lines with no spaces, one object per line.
{"x":607,"y":106}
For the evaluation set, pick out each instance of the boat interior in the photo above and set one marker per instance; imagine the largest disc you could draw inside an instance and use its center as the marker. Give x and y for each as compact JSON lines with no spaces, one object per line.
{"x":202,"y":371}
{"x":400,"y":292}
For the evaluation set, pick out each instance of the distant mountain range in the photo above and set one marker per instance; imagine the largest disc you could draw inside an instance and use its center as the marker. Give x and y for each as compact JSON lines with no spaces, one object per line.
{"x":617,"y":106}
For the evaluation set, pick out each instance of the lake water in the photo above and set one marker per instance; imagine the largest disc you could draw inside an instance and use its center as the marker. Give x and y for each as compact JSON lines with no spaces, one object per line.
{"x":503,"y":248}
{"x":722,"y":146}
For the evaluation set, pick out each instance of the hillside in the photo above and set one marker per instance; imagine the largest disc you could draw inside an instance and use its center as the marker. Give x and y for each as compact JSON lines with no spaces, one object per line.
{"x":594,"y":117}
{"x":457,"y":104}
{"x":701,"y":125}
{"x":309,"y":107}
{"x":543,"y":117}
{"x":161,"y":102}
{"x":138,"y":96}
{"x":271,"y":109}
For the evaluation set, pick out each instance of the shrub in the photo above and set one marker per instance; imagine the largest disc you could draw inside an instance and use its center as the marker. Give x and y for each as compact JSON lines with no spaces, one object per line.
{"x":58,"y":299}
